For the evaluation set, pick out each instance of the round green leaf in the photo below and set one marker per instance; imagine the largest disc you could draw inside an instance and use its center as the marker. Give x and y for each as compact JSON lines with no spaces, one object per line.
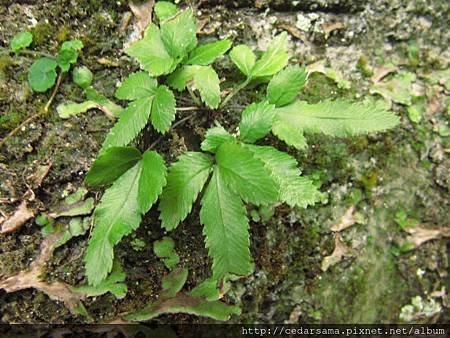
{"x":42,"y":74}
{"x":82,"y":76}
{"x":21,"y":40}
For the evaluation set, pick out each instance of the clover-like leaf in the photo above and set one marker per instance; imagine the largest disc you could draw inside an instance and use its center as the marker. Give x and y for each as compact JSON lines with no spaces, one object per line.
{"x":42,"y":74}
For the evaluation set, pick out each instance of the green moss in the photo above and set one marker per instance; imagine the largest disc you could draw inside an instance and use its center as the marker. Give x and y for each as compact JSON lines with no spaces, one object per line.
{"x":10,"y":120}
{"x":63,"y":34}
{"x":42,"y":32}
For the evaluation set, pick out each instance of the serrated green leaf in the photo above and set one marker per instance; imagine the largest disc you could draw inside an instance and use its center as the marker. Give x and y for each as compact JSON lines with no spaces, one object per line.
{"x":76,"y":209}
{"x":179,"y":34}
{"x":214,"y":137}
{"x":42,"y":74}
{"x":136,"y":86}
{"x":256,"y":121}
{"x":179,"y":79}
{"x":285,"y":86}
{"x":289,"y":134}
{"x":295,"y":190}
{"x":163,"y":109}
{"x":174,"y":282}
{"x":274,"y":59}
{"x":245,"y":174}
{"x":21,"y":40}
{"x":111,"y":164}
{"x":151,"y":53}
{"x":152,"y":179}
{"x":244,"y":58}
{"x":67,"y":110}
{"x":66,"y":57}
{"x":207,"y":82}
{"x":206,"y":54}
{"x":336,"y":118}
{"x":165,"y":9}
{"x":132,"y":120}
{"x":114,"y":284}
{"x":185,"y":180}
{"x":72,"y":44}
{"x":225,"y":221}
{"x":116,"y":216}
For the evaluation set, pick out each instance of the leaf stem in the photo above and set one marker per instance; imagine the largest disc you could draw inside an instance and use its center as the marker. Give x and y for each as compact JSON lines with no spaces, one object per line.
{"x":234,"y":92}
{"x":33,"y":117}
{"x":27,"y":52}
{"x":194,"y":97}
{"x":176,"y":124}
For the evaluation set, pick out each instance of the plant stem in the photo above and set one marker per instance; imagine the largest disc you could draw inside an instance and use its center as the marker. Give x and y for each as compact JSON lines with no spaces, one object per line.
{"x":176,"y":124}
{"x":40,"y":113}
{"x":194,"y":97}
{"x":26,"y":51}
{"x":234,"y":92}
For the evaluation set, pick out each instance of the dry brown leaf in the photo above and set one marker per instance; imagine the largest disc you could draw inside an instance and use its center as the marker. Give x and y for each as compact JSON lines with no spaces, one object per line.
{"x":328,"y":28}
{"x":143,"y":14}
{"x":19,"y":218}
{"x":295,"y":32}
{"x":346,"y":221}
{"x":31,"y":279}
{"x":340,"y":251}
{"x":39,"y":175}
{"x":381,"y":72}
{"x":422,"y":235}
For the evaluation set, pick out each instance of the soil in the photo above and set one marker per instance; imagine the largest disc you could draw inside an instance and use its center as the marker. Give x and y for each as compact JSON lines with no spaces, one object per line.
{"x":393,"y":180}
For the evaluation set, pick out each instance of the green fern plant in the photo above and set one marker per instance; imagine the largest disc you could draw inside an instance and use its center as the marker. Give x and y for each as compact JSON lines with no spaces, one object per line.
{"x":233,"y":169}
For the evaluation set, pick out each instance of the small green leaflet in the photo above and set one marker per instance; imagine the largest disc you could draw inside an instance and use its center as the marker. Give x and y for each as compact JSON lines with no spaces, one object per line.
{"x":82,"y":76}
{"x":244,"y":58}
{"x":165,"y":9}
{"x":333,"y":118}
{"x":274,"y":59}
{"x":120,"y":212}
{"x":114,"y":283}
{"x":68,"y":53}
{"x":136,"y":86}
{"x":132,"y":120}
{"x":214,"y":137}
{"x":163,"y":109}
{"x":284,"y":87}
{"x":185,"y":180}
{"x":225,"y":221}
{"x":20,"y":41}
{"x":164,"y":248}
{"x":69,"y":109}
{"x":179,"y":34}
{"x":42,"y":74}
{"x":295,"y":190}
{"x":151,"y":53}
{"x":171,"y":300}
{"x":207,"y":82}
{"x":256,"y":121}
{"x":245,"y":174}
{"x":206,"y":54}
{"x":93,"y":95}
